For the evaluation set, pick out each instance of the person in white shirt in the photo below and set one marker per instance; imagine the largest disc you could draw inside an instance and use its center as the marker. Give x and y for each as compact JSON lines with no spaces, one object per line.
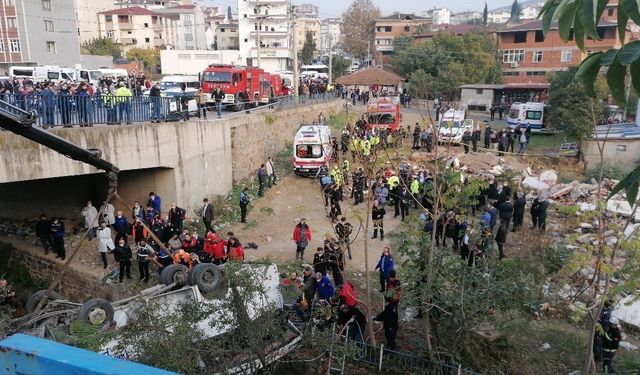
{"x":105,"y":243}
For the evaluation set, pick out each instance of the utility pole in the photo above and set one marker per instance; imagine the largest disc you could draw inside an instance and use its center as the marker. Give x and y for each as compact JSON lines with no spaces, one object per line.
{"x":330,"y":59}
{"x":368,"y":54}
{"x":295,"y":52}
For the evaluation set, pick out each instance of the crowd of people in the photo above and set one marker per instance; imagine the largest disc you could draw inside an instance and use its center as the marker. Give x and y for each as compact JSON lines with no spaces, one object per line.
{"x":153,"y":236}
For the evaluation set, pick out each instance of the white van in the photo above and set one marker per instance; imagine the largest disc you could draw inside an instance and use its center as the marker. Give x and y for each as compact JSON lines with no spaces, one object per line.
{"x":527,"y":113}
{"x":311,"y":149}
{"x":170,"y":86}
{"x":453,"y":125}
{"x":37,"y":73}
{"x":118,"y":73}
{"x":89,"y":75}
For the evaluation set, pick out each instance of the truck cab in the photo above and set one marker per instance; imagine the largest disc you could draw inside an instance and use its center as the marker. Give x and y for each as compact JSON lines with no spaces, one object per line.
{"x":311,"y":149}
{"x":242,"y":85}
{"x":384,"y":113}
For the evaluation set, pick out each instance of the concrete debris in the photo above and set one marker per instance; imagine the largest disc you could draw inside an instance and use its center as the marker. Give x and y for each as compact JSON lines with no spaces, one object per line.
{"x":534,"y":183}
{"x":585,"y":238}
{"x":622,"y":208}
{"x":611,"y":241}
{"x":586,"y":226}
{"x":628,"y":310}
{"x":630,"y":230}
{"x":497,"y":170}
{"x":545,"y":346}
{"x":587,"y":207}
{"x":549,"y":177}
{"x":628,"y":346}
{"x":562,"y":190}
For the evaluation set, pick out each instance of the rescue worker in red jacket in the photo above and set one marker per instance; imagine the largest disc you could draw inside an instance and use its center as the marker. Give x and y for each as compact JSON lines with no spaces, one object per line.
{"x":214,"y":246}
{"x":235,"y":250}
{"x":302,"y":237}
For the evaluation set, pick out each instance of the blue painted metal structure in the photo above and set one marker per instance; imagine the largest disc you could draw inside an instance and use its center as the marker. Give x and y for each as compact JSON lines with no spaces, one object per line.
{"x":27,"y":355}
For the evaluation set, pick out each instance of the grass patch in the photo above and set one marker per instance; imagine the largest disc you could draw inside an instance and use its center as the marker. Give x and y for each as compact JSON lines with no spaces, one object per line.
{"x":339,"y":120}
{"x":267,"y":210}
{"x":547,"y":141}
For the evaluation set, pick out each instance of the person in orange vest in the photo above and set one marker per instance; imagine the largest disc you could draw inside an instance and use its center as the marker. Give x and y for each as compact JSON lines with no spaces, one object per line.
{"x":214,"y":246}
{"x":182,"y":257}
{"x":138,"y":231}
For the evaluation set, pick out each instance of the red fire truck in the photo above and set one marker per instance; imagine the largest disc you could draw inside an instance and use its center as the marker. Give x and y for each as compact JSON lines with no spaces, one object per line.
{"x":384,"y":113}
{"x":243,"y":86}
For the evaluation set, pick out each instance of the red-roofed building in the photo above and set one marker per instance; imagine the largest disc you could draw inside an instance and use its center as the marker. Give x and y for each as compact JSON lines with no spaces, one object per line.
{"x":133,"y":27}
{"x":528,"y":56}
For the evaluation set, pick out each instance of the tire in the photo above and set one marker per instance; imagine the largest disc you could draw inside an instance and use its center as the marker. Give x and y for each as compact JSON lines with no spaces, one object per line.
{"x":175,"y":273}
{"x":207,"y":276}
{"x":239,"y":106}
{"x":34,"y":299}
{"x":96,"y":312}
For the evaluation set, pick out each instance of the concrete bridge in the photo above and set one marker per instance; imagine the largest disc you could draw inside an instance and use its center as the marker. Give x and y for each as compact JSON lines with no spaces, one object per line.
{"x":181,"y":161}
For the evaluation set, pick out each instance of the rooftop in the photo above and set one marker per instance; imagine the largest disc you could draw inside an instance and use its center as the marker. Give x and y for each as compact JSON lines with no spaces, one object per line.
{"x":403,"y":16}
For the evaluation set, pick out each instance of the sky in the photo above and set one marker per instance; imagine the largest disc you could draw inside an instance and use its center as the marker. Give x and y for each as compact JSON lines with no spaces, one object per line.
{"x":334,"y":8}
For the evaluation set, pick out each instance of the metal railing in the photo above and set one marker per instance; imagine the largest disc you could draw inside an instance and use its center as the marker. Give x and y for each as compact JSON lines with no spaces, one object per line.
{"x":395,"y":362}
{"x":84,"y":110}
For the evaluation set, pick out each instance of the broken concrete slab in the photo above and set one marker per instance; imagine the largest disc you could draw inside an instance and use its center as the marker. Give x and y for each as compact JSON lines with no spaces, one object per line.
{"x":549,"y":177}
{"x":628,"y":310}
{"x":534,"y":183}
{"x":622,"y":207}
{"x":585,"y":238}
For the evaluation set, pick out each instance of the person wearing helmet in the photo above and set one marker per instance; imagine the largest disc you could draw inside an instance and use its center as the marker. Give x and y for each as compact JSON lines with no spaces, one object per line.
{"x":610,"y":342}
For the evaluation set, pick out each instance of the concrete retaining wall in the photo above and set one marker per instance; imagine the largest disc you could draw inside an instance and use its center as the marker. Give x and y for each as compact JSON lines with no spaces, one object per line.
{"x":182,"y":162}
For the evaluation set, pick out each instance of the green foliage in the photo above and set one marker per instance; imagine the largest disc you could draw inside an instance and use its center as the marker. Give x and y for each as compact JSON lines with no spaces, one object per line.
{"x":556,"y":257}
{"x":516,"y":9}
{"x":339,"y":66}
{"x":568,"y":211}
{"x":440,"y":65}
{"x":270,"y":119}
{"x":103,"y":47}
{"x":629,"y":184}
{"x":358,"y":27}
{"x":611,"y":170}
{"x":485,"y":14}
{"x":570,"y":108}
{"x":150,"y":57}
{"x":308,"y":49}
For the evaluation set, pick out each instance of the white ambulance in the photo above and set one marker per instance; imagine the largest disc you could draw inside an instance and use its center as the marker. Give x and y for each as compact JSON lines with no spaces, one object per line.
{"x":311,"y":149}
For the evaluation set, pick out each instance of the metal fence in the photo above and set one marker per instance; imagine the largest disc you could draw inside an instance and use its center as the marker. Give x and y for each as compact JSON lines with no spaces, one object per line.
{"x":84,"y":110}
{"x":391,"y":361}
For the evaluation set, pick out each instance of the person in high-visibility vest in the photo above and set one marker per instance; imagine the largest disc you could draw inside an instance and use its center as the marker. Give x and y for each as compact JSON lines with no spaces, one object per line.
{"x":366,"y":148}
{"x":414,"y":188}
{"x":393,"y":181}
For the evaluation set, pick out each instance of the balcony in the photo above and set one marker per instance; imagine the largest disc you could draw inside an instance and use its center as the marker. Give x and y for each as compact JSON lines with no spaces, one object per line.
{"x":128,"y":41}
{"x":269,"y":34}
{"x":125,"y":25}
{"x":267,"y":52}
{"x":269,"y":17}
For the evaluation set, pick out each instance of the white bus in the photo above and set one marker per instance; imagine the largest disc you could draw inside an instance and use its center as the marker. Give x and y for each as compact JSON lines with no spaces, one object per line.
{"x":315,"y":71}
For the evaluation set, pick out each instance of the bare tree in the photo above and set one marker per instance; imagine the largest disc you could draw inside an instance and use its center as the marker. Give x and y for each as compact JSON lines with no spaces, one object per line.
{"x":358,"y":27}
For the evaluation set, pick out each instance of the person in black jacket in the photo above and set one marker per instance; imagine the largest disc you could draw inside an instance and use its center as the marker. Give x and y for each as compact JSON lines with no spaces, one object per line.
{"x":487,"y":137}
{"x":154,"y":96}
{"x":377,"y":215}
{"x":501,"y":237}
{"x":541,"y":213}
{"x":416,"y":137}
{"x":466,"y":140}
{"x":518,"y":210}
{"x":320,"y":261}
{"x":207,"y":215}
{"x":43,"y":231}
{"x":404,"y":199}
{"x":610,"y":342}
{"x":123,"y":255}
{"x":475,"y":138}
{"x":218,"y":95}
{"x":505,"y":211}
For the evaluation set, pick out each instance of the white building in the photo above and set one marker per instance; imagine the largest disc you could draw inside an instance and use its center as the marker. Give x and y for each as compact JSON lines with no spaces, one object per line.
{"x":185,"y":28}
{"x":498,"y":17}
{"x":88,"y":27}
{"x":306,"y":11}
{"x":530,"y":12}
{"x":439,"y":16}
{"x":227,"y":36}
{"x":272,"y":21}
{"x":329,"y":35}
{"x":133,"y":27}
{"x":465,"y":17}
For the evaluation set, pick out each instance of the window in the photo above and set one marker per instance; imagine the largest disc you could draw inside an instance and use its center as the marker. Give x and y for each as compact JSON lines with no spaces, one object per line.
{"x":533,"y":115}
{"x":246,"y":40}
{"x":146,"y":24}
{"x":146,"y":40}
{"x":520,"y":37}
{"x":479,"y":91}
{"x":407,"y":29}
{"x":110,"y":33}
{"x":48,"y":25}
{"x":108,"y":18}
{"x":245,"y":16}
{"x":539,"y":36}
{"x":566,"y":56}
{"x":537,"y":56}
{"x":11,"y":22}
{"x":222,"y":29}
{"x":51,"y":47}
{"x":512,"y":55}
{"x":622,"y":148}
{"x":610,"y":12}
{"x":15,"y":45}
{"x":510,"y":74}
{"x":46,"y":5}
{"x":1,"y":45}
{"x":536,"y":74}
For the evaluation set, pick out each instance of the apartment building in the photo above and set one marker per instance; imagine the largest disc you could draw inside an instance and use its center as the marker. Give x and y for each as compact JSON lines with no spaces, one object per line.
{"x":271,"y":21}
{"x":393,"y":26}
{"x":306,"y":11}
{"x":227,"y":36}
{"x":465,"y":17}
{"x":528,"y":56}
{"x":330,"y":35}
{"x":498,"y":17}
{"x":439,"y":16}
{"x":133,"y":27}
{"x":184,"y":27}
{"x":86,"y":18}
{"x":311,"y":25}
